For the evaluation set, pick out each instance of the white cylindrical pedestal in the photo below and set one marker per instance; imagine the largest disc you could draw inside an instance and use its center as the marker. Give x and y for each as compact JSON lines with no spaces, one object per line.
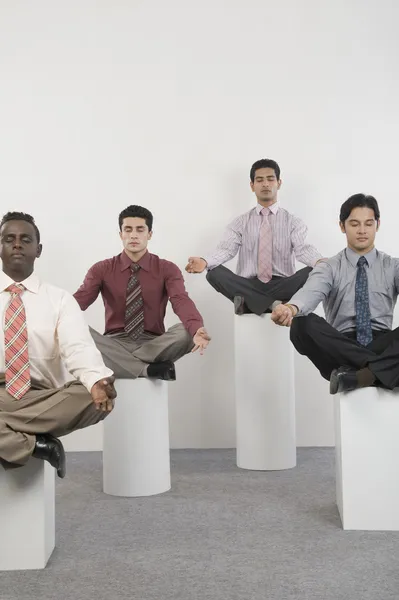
{"x":27,"y":517}
{"x":265,"y":397}
{"x":136,"y":440}
{"x":366,"y":454}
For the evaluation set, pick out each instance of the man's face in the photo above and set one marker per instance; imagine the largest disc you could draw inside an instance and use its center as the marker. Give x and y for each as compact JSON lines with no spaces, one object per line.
{"x":360,"y":228}
{"x":266,"y":185}
{"x":18,"y":246}
{"x":135,"y":234}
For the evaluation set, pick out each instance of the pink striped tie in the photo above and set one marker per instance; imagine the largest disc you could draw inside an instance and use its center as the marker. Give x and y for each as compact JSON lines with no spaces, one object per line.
{"x":17,"y":369}
{"x":265,"y":249}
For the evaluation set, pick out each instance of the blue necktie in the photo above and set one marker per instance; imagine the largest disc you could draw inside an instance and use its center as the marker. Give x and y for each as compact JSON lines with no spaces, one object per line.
{"x":364,"y":334}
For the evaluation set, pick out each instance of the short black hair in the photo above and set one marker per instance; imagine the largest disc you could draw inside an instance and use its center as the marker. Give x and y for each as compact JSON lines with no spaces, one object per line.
{"x":358,"y":200}
{"x":20,"y":216}
{"x":136,"y":211}
{"x":264,"y":163}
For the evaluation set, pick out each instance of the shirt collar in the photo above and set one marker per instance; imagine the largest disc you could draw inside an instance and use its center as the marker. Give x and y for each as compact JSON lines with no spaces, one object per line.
{"x":31,"y":283}
{"x":144,"y":261}
{"x":353,"y":257}
{"x":274,"y":208}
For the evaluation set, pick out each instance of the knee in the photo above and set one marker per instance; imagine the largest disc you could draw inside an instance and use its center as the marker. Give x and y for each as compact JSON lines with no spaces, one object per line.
{"x":300,"y":327}
{"x":295,"y":326}
{"x":186,"y":339}
{"x":304,"y":274}
{"x":182,"y":335}
{"x":210,"y":276}
{"x":104,"y":414}
{"x":213,"y":275}
{"x":297,"y":334}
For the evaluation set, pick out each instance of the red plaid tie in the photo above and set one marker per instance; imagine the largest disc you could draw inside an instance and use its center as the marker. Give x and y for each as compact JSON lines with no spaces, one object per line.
{"x":265,"y":249}
{"x":134,"y":314}
{"x":17,"y":370}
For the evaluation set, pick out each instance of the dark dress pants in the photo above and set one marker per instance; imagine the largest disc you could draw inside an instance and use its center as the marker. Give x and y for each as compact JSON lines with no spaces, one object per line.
{"x":329,"y":349}
{"x":258,"y":296}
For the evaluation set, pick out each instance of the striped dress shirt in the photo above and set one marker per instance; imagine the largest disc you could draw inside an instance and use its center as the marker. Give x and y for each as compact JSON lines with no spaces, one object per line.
{"x":242,"y":236}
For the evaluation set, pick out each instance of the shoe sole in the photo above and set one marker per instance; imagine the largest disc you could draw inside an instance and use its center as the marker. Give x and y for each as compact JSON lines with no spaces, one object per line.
{"x":334,"y":383}
{"x":238,"y":307}
{"x":61,"y":472}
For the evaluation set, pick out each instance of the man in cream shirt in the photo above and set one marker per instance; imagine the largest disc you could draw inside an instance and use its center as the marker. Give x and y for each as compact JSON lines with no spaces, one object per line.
{"x":52,"y":377}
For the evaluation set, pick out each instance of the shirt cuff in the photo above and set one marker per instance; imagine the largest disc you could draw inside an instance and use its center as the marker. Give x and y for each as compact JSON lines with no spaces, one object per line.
{"x":193,"y":327}
{"x":319,"y":258}
{"x":210,"y":262}
{"x":89,"y":379}
{"x":298,"y":303}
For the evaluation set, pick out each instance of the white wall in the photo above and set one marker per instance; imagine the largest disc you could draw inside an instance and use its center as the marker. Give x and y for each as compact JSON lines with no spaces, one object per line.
{"x":167,"y":104}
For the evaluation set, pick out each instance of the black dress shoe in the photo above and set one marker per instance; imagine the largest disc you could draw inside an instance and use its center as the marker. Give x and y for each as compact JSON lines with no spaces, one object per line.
{"x":49,"y":448}
{"x":343,"y":380}
{"x":162,"y":370}
{"x":240,"y":307}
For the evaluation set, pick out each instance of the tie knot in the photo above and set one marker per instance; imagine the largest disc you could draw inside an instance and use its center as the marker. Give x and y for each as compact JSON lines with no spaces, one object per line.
{"x":362,"y":262}
{"x":16,"y":288}
{"x":134,"y":267}
{"x":265,"y":211}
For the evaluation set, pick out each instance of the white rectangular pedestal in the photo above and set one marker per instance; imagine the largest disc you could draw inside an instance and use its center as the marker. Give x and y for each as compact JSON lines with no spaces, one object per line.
{"x":367,"y":458}
{"x":265,"y":395}
{"x":27,"y":516}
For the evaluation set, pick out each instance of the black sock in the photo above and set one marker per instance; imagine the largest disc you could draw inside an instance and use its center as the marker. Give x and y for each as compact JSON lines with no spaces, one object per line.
{"x":365,"y":377}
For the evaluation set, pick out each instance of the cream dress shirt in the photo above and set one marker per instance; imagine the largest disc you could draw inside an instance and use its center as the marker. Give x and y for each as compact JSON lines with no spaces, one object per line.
{"x":59,"y":342}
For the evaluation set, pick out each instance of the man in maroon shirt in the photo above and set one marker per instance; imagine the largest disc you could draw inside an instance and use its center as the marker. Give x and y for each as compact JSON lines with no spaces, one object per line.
{"x":135,"y":287}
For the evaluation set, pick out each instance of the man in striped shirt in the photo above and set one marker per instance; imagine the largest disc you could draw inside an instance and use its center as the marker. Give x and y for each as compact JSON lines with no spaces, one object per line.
{"x":268,"y":239}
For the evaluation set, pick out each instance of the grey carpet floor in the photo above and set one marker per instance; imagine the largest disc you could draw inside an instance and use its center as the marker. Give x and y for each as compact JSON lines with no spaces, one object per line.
{"x":220,"y":533}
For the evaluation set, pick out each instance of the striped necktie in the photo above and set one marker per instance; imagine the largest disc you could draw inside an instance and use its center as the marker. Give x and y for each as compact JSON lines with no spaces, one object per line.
{"x":364,"y":334}
{"x":17,"y":369}
{"x":134,"y":313}
{"x":265,"y":248}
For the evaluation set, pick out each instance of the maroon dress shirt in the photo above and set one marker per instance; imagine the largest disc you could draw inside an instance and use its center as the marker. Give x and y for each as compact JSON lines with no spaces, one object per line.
{"x":160,"y":280}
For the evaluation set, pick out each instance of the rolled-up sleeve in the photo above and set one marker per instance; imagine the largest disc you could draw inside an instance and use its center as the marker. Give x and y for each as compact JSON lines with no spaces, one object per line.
{"x":77,"y":348}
